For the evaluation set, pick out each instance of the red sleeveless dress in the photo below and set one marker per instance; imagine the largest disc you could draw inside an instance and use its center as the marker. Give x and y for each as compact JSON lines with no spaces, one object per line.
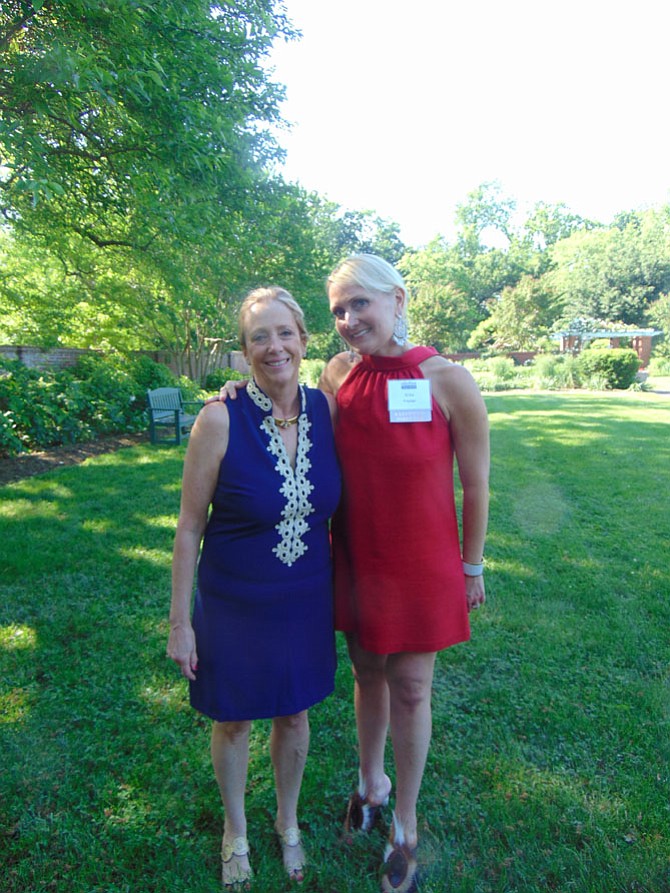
{"x":399,"y":581}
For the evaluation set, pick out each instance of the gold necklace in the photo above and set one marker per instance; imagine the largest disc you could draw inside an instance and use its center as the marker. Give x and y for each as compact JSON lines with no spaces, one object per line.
{"x":286,"y":423}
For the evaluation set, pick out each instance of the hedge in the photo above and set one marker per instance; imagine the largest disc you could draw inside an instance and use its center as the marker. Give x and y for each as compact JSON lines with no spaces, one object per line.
{"x":616,"y":366}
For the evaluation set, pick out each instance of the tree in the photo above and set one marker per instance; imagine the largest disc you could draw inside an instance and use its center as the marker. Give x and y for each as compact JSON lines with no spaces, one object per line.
{"x":548,"y":224}
{"x":135,"y":148}
{"x":485,"y":211}
{"x":42,"y":303}
{"x":441,"y":317}
{"x":122,"y":120}
{"x":615,"y":273}
{"x":520,"y":319}
{"x":658,"y":315}
{"x":441,"y":311}
{"x":491,"y":253}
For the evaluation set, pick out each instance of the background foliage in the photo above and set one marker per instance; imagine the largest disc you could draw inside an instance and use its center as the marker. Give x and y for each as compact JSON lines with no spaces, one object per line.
{"x":140,"y":199}
{"x":98,"y":396}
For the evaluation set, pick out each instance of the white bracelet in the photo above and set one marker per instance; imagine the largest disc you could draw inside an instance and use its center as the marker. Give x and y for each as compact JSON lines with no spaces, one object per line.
{"x":473,"y":570}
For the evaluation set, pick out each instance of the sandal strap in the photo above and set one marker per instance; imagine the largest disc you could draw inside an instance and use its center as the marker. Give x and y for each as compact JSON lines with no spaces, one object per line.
{"x":290,"y":836}
{"x":239,"y":847}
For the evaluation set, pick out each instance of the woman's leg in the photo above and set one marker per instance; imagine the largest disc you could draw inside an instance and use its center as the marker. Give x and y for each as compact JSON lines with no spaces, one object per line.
{"x":410,"y":678}
{"x":230,"y":758}
{"x":289,"y":744}
{"x":371,"y":701}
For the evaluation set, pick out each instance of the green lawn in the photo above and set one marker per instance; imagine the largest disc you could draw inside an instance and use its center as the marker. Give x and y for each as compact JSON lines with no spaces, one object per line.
{"x":550,"y":764}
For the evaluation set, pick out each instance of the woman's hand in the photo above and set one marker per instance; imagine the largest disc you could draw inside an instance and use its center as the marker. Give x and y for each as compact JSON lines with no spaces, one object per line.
{"x":229,"y":389}
{"x":475,"y":594}
{"x":181,"y":649}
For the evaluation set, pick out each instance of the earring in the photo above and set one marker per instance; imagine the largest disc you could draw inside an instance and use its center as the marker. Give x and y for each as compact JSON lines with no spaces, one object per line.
{"x":400,"y":330}
{"x":347,"y":348}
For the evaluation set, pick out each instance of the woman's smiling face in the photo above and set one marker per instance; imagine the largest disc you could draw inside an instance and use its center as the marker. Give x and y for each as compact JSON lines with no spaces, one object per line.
{"x":365,"y":317}
{"x":273,"y":346}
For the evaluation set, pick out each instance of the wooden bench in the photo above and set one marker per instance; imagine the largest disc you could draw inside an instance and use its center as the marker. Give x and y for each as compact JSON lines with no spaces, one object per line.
{"x":166,"y":410}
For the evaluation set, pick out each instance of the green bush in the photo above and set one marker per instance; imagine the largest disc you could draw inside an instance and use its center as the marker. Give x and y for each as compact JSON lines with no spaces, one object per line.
{"x":39,"y":409}
{"x":616,"y":368}
{"x":216,"y":379}
{"x":110,"y":395}
{"x":497,"y":373}
{"x":43,"y":408}
{"x":502,"y":368}
{"x":659,"y":365}
{"x":150,"y":375}
{"x":555,"y":371}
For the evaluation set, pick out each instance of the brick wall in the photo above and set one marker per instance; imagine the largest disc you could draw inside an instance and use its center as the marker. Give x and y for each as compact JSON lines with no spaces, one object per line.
{"x":36,"y":358}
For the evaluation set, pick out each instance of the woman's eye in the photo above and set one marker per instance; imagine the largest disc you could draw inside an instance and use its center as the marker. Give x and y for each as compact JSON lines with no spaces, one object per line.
{"x":359,"y":303}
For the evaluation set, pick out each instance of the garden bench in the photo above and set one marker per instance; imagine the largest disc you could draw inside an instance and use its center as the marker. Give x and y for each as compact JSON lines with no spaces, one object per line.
{"x":166,"y":409}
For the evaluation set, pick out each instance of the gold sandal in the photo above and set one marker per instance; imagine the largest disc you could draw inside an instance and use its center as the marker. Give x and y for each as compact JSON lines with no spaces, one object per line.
{"x":293,"y":854}
{"x":235,"y":875}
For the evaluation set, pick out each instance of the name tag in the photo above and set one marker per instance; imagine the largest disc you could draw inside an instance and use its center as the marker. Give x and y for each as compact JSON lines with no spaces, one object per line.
{"x":409,"y":400}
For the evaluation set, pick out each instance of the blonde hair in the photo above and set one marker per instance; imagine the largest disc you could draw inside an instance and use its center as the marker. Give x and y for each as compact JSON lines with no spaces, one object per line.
{"x":266,"y":295}
{"x":370,"y":272}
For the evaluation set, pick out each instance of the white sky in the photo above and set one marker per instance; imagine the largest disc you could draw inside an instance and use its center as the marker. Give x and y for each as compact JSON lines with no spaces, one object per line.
{"x":403,"y":108}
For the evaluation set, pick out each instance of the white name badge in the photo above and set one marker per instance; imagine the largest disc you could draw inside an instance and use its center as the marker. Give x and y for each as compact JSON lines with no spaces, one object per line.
{"x":409,"y":400}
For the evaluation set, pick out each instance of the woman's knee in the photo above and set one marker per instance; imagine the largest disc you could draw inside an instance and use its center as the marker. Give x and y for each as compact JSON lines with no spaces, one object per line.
{"x":410,"y":682}
{"x":368,"y":668}
{"x":294,"y":723}
{"x":232,"y":732}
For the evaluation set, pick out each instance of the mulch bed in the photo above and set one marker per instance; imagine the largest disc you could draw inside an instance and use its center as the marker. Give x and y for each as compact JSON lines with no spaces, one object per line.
{"x":19,"y":467}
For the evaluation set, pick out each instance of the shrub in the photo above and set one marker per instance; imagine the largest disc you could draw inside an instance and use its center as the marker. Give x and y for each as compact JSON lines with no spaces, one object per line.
{"x":38,"y":409}
{"x":497,"y":373}
{"x":148,"y":374}
{"x":216,"y":379}
{"x":110,"y":399}
{"x":555,"y":371}
{"x":42,"y":408}
{"x":502,"y":368}
{"x":659,"y":365}
{"x":616,"y":368}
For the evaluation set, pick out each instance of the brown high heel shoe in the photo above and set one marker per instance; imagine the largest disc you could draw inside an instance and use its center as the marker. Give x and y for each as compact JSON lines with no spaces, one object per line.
{"x":400,"y":866}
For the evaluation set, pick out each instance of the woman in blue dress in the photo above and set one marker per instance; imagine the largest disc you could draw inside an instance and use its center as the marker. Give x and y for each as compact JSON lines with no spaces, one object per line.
{"x":260,"y":482}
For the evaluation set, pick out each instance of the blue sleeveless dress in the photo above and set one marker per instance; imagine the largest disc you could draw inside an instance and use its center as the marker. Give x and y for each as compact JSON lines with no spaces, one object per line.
{"x":263,"y":611}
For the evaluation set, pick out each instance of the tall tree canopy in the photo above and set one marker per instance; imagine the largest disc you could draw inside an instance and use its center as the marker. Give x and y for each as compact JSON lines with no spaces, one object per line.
{"x":615,"y":273}
{"x":122,"y":122}
{"x":136,"y":163}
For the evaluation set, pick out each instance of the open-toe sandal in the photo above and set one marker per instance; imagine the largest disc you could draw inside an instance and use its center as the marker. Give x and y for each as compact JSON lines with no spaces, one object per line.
{"x":293,"y":855}
{"x":361,"y":815}
{"x":400,"y":869}
{"x":235,"y":869}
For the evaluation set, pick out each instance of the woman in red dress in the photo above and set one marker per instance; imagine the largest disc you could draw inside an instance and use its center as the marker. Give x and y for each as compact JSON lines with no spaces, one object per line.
{"x":405,"y":577}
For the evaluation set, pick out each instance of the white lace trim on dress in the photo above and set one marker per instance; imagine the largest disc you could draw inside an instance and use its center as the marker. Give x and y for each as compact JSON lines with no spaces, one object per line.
{"x":296,"y":488}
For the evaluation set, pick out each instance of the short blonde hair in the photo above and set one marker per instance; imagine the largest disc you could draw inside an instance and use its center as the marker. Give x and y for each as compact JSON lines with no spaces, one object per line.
{"x":266,"y":295}
{"x":369,"y":271}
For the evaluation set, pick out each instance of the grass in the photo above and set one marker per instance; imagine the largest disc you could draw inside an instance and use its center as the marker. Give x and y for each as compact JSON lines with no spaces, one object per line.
{"x":549,"y":769}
